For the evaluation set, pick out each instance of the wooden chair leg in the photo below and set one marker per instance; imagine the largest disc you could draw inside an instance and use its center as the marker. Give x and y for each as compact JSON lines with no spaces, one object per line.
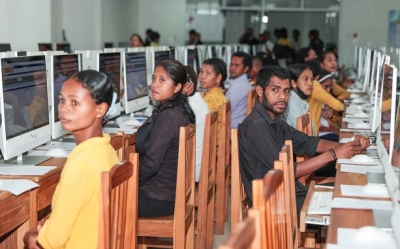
{"x":226,"y":195}
{"x":219,"y":206}
{"x":210,"y":221}
{"x":201,"y":225}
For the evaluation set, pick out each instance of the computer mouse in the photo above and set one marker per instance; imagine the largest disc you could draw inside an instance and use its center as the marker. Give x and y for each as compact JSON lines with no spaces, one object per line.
{"x":361,"y":125}
{"x":362,"y":159}
{"x":374,"y":189}
{"x":371,"y":234}
{"x":360,"y":114}
{"x":56,"y":152}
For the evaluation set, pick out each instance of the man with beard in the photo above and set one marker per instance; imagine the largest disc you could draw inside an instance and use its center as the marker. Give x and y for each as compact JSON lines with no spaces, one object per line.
{"x":262,"y":135}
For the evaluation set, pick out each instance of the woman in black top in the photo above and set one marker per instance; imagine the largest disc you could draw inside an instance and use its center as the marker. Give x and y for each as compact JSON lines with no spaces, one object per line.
{"x":158,"y":138}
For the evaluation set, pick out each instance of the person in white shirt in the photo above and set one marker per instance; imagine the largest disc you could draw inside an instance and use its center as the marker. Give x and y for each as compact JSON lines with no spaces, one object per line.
{"x":200,"y":109}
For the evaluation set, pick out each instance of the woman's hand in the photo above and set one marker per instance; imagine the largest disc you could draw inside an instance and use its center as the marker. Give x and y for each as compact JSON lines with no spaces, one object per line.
{"x":30,"y":238}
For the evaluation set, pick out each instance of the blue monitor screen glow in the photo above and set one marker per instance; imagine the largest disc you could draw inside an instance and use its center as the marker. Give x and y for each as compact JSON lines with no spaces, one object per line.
{"x":159,"y":56}
{"x":191,"y":58}
{"x":110,"y":64}
{"x":136,"y":95}
{"x":62,"y":67}
{"x":24,"y":105}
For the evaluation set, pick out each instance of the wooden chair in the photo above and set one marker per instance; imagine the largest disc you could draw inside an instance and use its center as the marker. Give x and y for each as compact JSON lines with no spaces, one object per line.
{"x":205,"y":189}
{"x":118,"y":143}
{"x":269,"y":199}
{"x":119,"y":205}
{"x":247,"y":233}
{"x":251,"y":101}
{"x":239,"y":203}
{"x":308,"y":237}
{"x":180,"y":225}
{"x":304,"y":124}
{"x":223,"y":165}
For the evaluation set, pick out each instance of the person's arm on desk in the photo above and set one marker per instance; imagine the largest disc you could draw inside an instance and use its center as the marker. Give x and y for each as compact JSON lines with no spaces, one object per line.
{"x":30,"y":238}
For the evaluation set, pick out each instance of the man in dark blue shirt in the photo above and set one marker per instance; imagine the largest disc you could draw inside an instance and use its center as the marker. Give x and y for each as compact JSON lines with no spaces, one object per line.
{"x":262,"y":135}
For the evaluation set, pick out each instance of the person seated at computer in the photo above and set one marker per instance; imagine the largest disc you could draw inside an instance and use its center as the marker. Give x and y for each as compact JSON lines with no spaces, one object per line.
{"x":136,"y":41}
{"x":194,"y":38}
{"x":283,"y":39}
{"x":320,"y":97}
{"x":239,"y":86}
{"x":302,"y":86}
{"x":157,"y":140}
{"x":262,"y":134}
{"x":200,"y":109}
{"x":212,"y":76}
{"x":306,"y":54}
{"x":85,"y":102}
{"x":155,"y":39}
{"x":38,"y":109}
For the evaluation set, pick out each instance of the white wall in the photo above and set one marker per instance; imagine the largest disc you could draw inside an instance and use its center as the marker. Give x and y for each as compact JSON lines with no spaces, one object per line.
{"x":25,"y":23}
{"x":369,"y":19}
{"x":234,"y":26}
{"x":167,"y":17}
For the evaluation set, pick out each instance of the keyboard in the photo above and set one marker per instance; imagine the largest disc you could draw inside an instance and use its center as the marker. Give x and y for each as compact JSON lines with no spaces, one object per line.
{"x":320,"y":203}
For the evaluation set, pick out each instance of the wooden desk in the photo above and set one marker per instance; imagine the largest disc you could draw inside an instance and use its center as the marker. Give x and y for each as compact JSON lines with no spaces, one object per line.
{"x":15,"y":211}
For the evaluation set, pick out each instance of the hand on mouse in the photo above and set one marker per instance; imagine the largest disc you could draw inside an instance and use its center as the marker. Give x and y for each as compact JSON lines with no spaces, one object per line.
{"x":363,"y":141}
{"x":348,"y":150}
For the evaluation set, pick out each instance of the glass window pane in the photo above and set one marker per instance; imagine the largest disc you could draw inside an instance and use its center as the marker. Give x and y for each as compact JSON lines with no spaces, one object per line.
{"x":326,"y":4}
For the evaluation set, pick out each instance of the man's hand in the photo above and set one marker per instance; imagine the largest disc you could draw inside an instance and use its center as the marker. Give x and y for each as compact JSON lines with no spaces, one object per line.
{"x":327,"y":112}
{"x":349,"y":150}
{"x":30,"y":238}
{"x":364,"y":141}
{"x":188,"y":88}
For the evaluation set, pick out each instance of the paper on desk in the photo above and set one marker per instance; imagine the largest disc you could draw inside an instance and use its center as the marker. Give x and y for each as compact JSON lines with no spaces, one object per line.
{"x":26,"y":170}
{"x":349,"y":161}
{"x":354,"y":203}
{"x":346,"y":236}
{"x":17,"y":186}
{"x":354,"y":190}
{"x":360,"y":169}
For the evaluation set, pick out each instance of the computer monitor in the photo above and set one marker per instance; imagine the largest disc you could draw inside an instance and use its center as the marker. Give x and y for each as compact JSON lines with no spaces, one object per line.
{"x":173,"y":53}
{"x":108,"y":45}
{"x":61,"y":68}
{"x":24,"y":107}
{"x":136,"y":92}
{"x":66,"y":47}
{"x":110,"y":64}
{"x":45,"y":46}
{"x":375,"y":55}
{"x":5,"y":47}
{"x":159,"y":56}
{"x":88,"y":58}
{"x":121,"y":50}
{"x":360,"y":64}
{"x":212,"y":52}
{"x":355,"y":58}
{"x":192,"y":59}
{"x":367,"y":71}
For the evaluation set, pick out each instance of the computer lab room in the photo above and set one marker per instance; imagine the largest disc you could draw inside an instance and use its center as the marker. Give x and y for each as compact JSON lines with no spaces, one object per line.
{"x":199,"y":124}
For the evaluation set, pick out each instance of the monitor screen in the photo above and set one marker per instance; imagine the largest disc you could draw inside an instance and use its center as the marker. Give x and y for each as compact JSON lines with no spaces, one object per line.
{"x":160,"y":56}
{"x":24,"y":104}
{"x":108,"y":45}
{"x":213,"y":52}
{"x":5,"y":47}
{"x":45,"y":47}
{"x":66,"y":47}
{"x":172,"y":53}
{"x":110,"y":64}
{"x":191,"y":58}
{"x":64,"y":66}
{"x":136,"y":75}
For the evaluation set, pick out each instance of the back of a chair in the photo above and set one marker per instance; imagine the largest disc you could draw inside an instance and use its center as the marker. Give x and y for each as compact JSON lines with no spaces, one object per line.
{"x":304,"y":124}
{"x":239,"y":203}
{"x":286,"y":157}
{"x":117,"y":142}
{"x":185,"y":185}
{"x":247,"y":233}
{"x":119,"y":205}
{"x":209,"y":153}
{"x":225,"y":131}
{"x":251,"y":101}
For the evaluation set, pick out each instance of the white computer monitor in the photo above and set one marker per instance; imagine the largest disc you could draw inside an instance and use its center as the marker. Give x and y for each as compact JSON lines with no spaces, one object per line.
{"x":136,"y":91}
{"x":159,"y":56}
{"x":89,"y":58}
{"x":24,"y":107}
{"x":211,"y":52}
{"x":173,"y":54}
{"x":121,"y":50}
{"x":61,"y":68}
{"x":355,"y":58}
{"x":63,"y":46}
{"x":192,"y":58}
{"x":375,"y":56}
{"x":367,"y":71}
{"x":110,"y":63}
{"x":360,"y":64}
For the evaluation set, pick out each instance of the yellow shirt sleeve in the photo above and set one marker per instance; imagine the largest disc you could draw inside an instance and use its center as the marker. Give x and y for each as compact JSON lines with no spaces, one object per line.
{"x":68,"y":200}
{"x":386,"y":105}
{"x":340,"y":93}
{"x":321,"y":95}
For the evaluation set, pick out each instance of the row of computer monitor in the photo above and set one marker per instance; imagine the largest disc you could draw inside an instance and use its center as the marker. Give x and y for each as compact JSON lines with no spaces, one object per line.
{"x":59,"y":46}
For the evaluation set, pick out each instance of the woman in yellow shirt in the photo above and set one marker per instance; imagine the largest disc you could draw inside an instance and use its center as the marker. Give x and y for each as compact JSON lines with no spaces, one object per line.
{"x":212,"y":75}
{"x":86,"y":99}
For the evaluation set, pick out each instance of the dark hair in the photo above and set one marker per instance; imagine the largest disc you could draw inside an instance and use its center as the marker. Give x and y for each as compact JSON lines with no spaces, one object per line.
{"x":283,"y":32}
{"x":296,"y":31}
{"x":192,"y":32}
{"x":176,"y":71}
{"x":302,"y":54}
{"x":149,"y":31}
{"x":138,"y":36}
{"x":247,"y":61}
{"x":219,"y":67}
{"x":266,"y":73}
{"x":322,"y":56}
{"x":314,"y":66}
{"x":155,"y":35}
{"x":266,"y":59}
{"x":296,"y":70}
{"x":99,"y":85}
{"x":324,"y":76}
{"x":314,"y":33}
{"x":191,"y":76}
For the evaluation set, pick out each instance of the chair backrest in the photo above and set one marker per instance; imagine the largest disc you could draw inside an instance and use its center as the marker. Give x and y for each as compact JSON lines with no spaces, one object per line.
{"x":209,"y":154}
{"x":130,"y":139}
{"x":286,"y":157}
{"x":118,"y":142}
{"x":247,"y":233}
{"x":304,"y":124}
{"x":119,"y":205}
{"x":224,"y":138}
{"x":185,"y":185}
{"x":239,"y":203}
{"x":251,"y":101}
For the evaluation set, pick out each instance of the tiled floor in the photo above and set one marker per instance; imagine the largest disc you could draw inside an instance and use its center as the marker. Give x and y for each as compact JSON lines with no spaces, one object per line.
{"x":220,"y":239}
